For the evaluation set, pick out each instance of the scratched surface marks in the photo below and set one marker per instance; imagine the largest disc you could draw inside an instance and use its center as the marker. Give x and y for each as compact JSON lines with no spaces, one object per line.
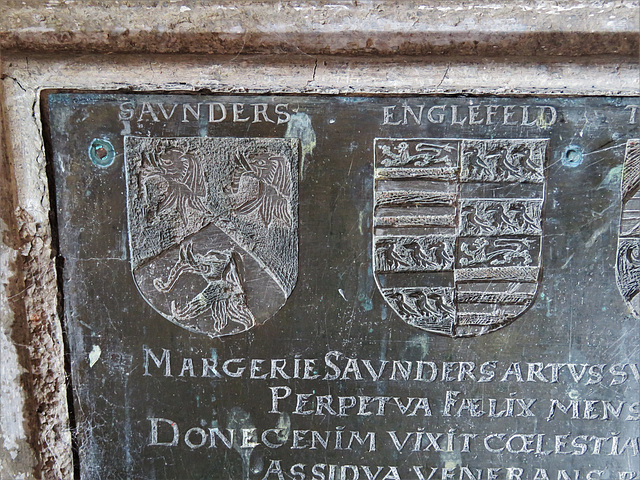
{"x":306,"y":286}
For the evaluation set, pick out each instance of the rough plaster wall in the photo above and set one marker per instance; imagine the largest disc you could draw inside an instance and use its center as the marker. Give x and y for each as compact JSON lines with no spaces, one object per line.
{"x":25,"y":76}
{"x":17,"y":459}
{"x":34,"y":410}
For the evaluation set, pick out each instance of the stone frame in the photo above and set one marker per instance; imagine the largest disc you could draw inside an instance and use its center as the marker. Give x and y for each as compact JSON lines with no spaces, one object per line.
{"x":34,"y":414}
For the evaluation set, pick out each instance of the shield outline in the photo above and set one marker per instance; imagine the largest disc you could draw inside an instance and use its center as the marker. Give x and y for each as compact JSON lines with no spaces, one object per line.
{"x":627,"y":265}
{"x":293,"y":146}
{"x":450,"y":301}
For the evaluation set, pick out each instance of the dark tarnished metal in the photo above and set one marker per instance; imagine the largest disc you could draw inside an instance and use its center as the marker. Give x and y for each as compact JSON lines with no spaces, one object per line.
{"x":319,"y":287}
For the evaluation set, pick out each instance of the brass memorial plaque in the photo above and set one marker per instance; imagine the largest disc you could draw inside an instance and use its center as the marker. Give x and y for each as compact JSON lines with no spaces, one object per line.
{"x":349,"y":287}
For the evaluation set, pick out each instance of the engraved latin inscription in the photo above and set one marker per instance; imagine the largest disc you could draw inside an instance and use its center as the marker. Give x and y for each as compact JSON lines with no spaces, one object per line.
{"x":455,"y":251}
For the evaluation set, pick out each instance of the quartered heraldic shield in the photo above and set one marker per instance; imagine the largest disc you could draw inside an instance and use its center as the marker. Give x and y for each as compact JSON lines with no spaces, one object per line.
{"x":213,"y":228}
{"x":457,"y":232}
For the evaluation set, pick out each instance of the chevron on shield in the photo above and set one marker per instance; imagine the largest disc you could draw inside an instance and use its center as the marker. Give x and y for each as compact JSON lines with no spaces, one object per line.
{"x":213,"y":228}
{"x":457,"y":230}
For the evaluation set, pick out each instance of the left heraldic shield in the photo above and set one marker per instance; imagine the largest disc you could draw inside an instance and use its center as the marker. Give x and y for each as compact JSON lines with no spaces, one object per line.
{"x":457,"y":232}
{"x":213,"y":228}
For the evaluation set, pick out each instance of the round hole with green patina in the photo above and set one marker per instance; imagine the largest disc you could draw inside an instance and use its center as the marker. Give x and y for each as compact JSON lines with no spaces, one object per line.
{"x":573,"y":156}
{"x":101,"y":152}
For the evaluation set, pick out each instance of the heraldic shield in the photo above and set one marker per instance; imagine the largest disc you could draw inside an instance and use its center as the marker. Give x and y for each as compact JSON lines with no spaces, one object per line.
{"x":457,"y":232}
{"x":213,"y":228}
{"x":628,"y":262}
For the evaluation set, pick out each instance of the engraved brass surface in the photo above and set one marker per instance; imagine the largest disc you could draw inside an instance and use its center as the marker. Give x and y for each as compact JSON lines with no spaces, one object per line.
{"x":350,"y":287}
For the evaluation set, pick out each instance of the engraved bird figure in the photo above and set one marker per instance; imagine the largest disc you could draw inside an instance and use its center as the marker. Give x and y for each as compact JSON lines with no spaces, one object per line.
{"x":478,"y":163}
{"x":387,"y":256}
{"x":173,"y":180}
{"x":478,"y":219}
{"x":442,"y":254}
{"x":513,"y":163}
{"x":414,"y":254}
{"x":426,"y":304}
{"x":415,"y":301}
{"x":262,"y":186}
{"x":438,"y":306}
{"x":404,"y":308}
{"x":521,"y":217}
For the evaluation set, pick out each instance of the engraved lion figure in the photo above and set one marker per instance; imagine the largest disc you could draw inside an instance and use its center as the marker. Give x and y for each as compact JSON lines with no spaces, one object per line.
{"x":224,"y":295}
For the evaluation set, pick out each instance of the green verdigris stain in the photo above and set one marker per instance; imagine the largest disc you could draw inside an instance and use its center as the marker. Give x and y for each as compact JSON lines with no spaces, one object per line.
{"x":101,"y":152}
{"x":366,"y":302}
{"x":612,"y":180}
{"x":300,"y":127}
